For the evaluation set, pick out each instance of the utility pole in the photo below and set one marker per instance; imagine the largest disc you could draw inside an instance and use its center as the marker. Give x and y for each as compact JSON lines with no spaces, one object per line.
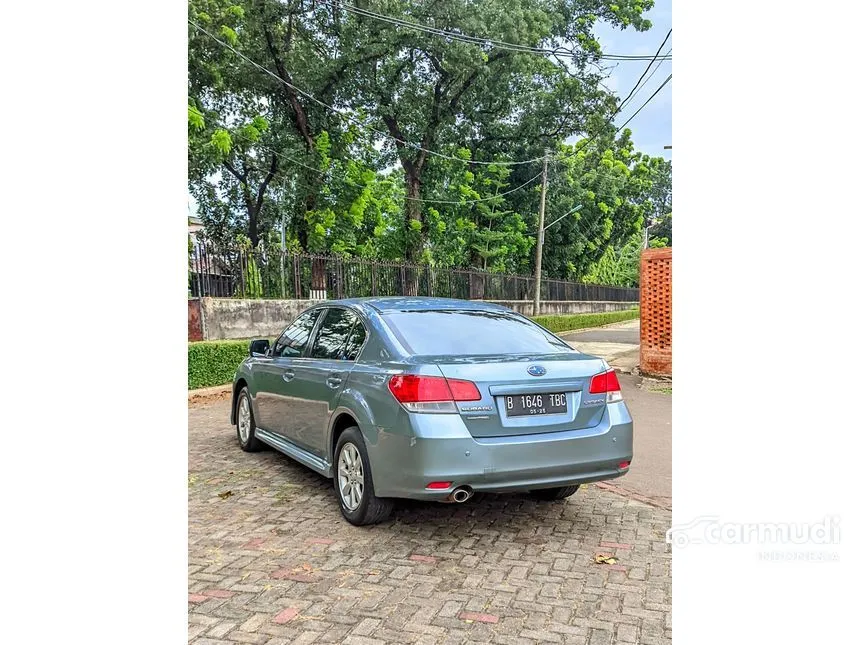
{"x":284,"y":233}
{"x":539,"y":252}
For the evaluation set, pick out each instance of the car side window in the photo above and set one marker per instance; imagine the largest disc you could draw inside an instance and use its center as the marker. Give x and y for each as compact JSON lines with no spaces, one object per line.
{"x":333,"y":333}
{"x":355,"y":341}
{"x":295,"y":338}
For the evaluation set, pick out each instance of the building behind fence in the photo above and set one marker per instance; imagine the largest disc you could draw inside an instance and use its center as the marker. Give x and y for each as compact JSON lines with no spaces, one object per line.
{"x":260,"y":274}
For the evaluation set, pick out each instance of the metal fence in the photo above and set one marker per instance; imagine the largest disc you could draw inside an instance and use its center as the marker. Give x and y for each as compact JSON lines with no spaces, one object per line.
{"x":236,"y":273}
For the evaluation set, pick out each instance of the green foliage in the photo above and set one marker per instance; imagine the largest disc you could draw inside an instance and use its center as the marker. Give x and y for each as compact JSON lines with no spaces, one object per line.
{"x":618,"y":268}
{"x":560,"y":323}
{"x":195,"y":118}
{"x":253,"y":285}
{"x":214,"y":362}
{"x":221,"y":142}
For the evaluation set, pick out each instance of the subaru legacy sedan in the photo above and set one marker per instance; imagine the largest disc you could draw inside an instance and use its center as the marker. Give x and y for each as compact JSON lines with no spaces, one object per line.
{"x":433,"y":399}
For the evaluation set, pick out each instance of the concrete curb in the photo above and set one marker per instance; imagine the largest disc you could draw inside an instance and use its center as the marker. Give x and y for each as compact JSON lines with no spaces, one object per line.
{"x":651,"y":501}
{"x":561,"y":334}
{"x":210,"y":391}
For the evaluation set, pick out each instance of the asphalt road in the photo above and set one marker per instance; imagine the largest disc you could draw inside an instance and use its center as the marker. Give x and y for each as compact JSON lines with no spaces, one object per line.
{"x":651,"y":471}
{"x":622,"y":335}
{"x":618,"y":344}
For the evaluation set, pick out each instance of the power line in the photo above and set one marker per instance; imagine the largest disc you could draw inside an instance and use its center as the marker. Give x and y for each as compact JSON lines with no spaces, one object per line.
{"x":654,"y":71}
{"x":624,"y":102}
{"x":633,"y":91}
{"x":590,"y":140}
{"x":351,"y":118}
{"x":668,"y":78}
{"x":474,"y":40}
{"x":417,"y":199}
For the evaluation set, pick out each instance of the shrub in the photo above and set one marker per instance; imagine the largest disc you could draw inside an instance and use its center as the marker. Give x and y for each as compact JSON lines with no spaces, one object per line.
{"x":569,"y":322}
{"x":214,"y":362}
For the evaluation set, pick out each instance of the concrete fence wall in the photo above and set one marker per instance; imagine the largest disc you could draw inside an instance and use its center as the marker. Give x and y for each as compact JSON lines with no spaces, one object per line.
{"x":550,"y":307}
{"x":229,"y":318}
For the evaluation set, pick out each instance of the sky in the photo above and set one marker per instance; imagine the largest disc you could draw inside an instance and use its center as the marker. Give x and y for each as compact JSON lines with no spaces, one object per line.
{"x":652,"y":127}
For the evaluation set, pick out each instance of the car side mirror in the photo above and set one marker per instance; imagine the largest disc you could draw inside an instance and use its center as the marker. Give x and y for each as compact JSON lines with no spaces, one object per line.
{"x":259,"y":347}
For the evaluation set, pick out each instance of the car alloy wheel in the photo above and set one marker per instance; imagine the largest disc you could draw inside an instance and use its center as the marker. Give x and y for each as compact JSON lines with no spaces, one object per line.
{"x":350,"y":476}
{"x":244,"y":419}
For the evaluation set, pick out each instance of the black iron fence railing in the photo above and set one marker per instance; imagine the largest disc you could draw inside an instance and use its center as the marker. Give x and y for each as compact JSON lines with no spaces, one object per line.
{"x":237,"y":273}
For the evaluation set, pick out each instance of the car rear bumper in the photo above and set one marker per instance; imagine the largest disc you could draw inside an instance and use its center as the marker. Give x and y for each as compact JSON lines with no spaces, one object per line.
{"x":439,"y":448}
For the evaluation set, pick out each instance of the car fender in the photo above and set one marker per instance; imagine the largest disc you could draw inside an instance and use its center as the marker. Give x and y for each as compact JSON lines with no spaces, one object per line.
{"x":352,"y":402}
{"x":242,"y":372}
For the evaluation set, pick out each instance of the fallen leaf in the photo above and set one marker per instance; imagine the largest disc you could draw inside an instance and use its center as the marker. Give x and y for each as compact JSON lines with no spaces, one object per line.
{"x":225,"y":494}
{"x":604,"y":559}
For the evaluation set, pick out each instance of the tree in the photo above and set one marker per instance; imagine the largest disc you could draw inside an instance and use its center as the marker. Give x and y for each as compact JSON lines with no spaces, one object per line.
{"x":608,"y":179}
{"x":226,"y":92}
{"x":482,"y":231}
{"x":659,"y":214}
{"x":618,"y":267}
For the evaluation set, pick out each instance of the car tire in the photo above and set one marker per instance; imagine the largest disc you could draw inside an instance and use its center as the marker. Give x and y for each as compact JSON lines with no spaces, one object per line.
{"x":553,"y":494}
{"x":353,"y":482}
{"x":246,"y":434}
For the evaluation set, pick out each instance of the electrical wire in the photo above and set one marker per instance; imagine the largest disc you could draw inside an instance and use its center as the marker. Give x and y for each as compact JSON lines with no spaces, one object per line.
{"x":668,"y":78}
{"x":624,"y":102}
{"x":639,"y":89}
{"x":590,"y":140}
{"x":474,"y":40}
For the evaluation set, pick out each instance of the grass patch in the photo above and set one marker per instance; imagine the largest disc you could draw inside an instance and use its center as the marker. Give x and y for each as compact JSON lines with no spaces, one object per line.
{"x":570,"y":322}
{"x":214,"y":362}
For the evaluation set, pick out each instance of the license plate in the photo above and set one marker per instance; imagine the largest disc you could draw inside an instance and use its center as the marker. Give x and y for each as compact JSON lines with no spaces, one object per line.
{"x":519,"y":405}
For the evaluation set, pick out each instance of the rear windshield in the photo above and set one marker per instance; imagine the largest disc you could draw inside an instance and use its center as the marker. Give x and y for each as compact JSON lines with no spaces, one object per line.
{"x":436,"y":333}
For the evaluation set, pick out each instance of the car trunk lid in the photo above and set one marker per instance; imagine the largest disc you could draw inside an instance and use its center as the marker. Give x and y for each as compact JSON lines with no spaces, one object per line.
{"x":552,"y":376}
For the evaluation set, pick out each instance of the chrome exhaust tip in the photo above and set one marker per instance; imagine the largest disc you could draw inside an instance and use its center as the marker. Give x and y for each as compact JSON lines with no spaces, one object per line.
{"x":461,"y":494}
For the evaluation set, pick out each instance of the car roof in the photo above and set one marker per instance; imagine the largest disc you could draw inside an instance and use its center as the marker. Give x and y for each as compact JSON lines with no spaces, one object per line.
{"x":418,"y":303}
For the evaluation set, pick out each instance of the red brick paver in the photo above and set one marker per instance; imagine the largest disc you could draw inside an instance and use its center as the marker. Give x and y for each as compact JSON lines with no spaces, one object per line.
{"x":504,"y":569}
{"x":286,"y":615}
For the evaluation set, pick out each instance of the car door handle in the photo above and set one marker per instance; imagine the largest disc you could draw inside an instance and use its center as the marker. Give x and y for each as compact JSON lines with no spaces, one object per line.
{"x":333,"y":381}
{"x":289,"y":375}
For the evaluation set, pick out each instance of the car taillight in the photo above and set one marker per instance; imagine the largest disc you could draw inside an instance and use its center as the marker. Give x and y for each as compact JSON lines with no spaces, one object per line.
{"x":431,"y":393}
{"x":606,"y":383}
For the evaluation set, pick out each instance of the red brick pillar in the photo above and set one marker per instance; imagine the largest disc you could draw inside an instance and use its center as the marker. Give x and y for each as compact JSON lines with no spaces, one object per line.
{"x":655,"y":302}
{"x":195,"y":326}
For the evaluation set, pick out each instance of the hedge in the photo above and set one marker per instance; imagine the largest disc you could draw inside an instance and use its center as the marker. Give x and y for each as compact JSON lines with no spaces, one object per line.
{"x":214,"y":362}
{"x":569,"y":322}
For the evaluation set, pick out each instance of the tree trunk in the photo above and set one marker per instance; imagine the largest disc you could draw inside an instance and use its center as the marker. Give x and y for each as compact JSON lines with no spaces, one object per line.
{"x":253,"y":228}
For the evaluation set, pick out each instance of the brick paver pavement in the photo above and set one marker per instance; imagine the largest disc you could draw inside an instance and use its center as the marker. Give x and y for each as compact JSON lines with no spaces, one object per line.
{"x":271,"y":561}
